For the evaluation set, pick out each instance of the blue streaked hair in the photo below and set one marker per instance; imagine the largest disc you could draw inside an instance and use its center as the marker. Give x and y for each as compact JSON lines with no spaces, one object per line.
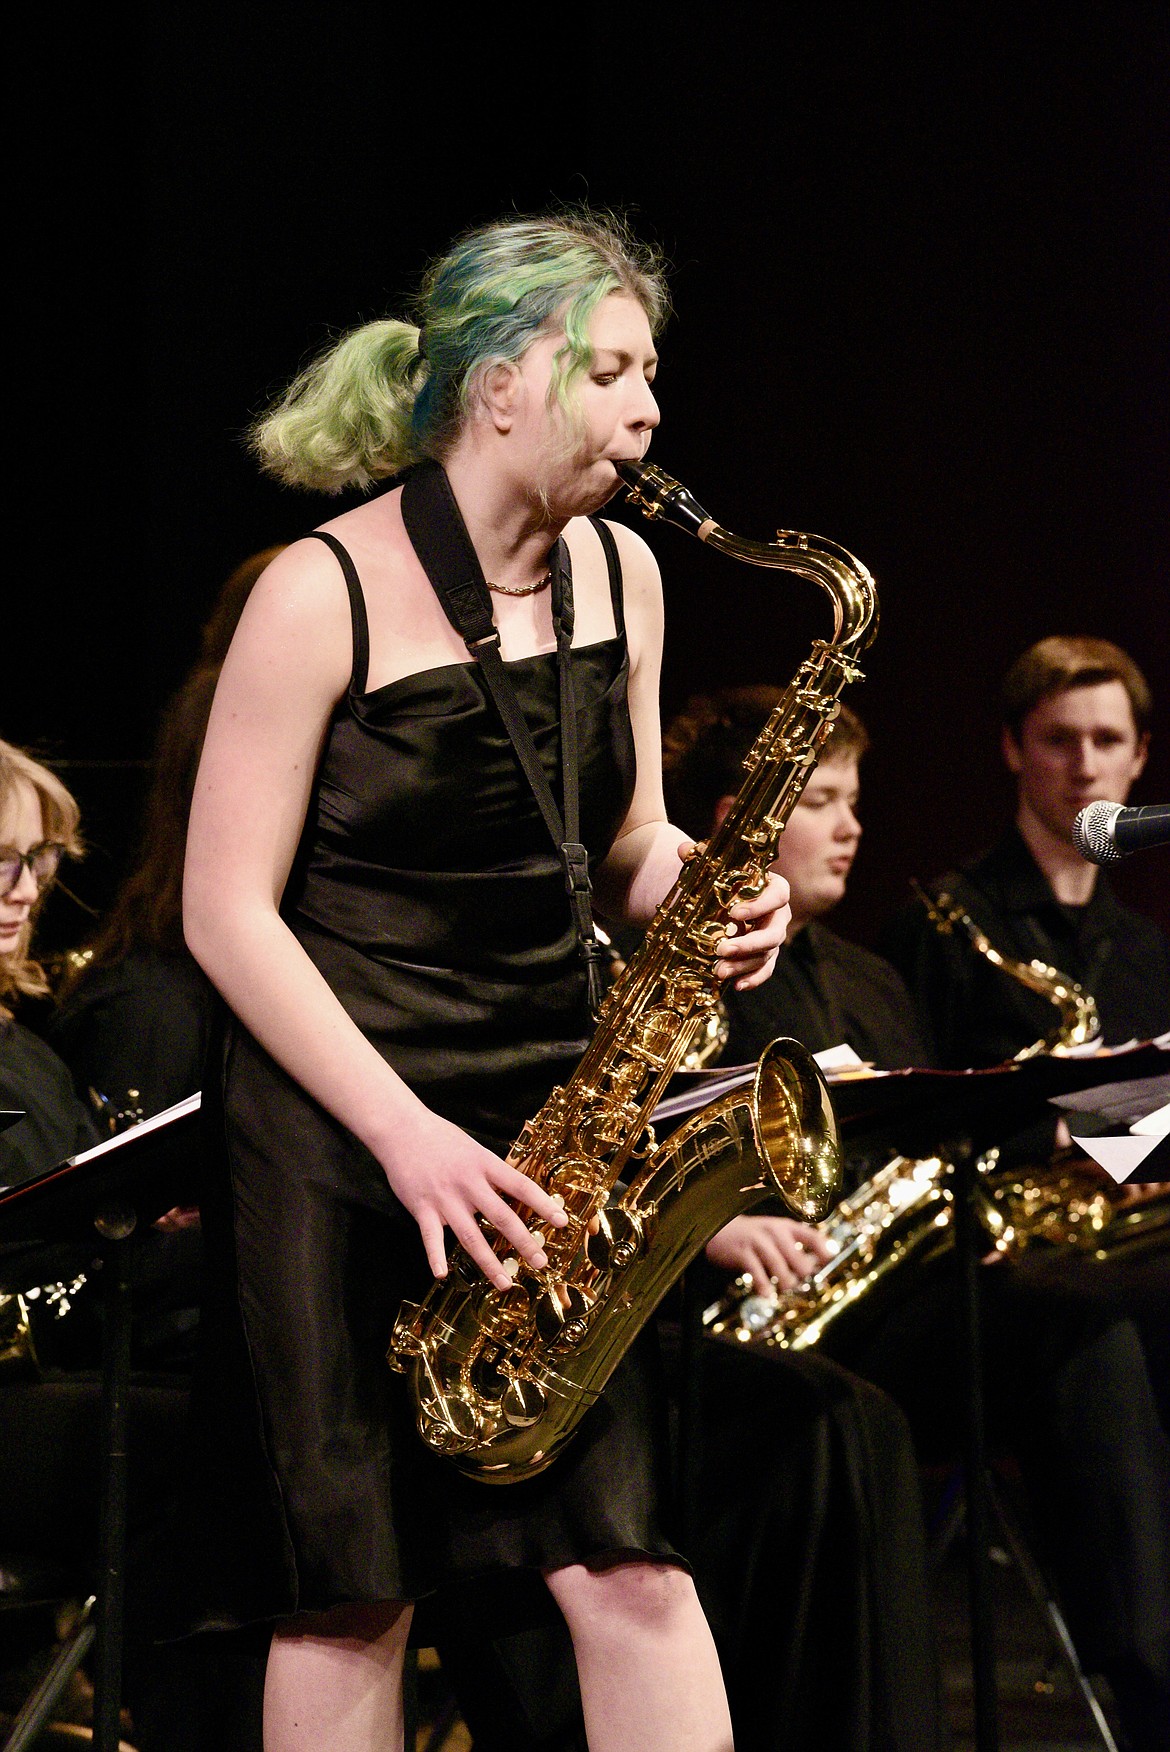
{"x":390,"y":392}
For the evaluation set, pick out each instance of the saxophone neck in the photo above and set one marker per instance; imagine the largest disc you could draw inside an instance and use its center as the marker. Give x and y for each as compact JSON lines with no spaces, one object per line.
{"x":1078,"y":1023}
{"x":848,"y":584}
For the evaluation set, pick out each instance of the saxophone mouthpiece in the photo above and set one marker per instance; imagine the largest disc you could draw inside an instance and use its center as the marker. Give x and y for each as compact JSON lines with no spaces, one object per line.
{"x":657,"y":494}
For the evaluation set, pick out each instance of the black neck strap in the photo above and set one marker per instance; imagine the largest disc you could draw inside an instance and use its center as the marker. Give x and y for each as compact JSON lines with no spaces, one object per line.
{"x":439,"y":537}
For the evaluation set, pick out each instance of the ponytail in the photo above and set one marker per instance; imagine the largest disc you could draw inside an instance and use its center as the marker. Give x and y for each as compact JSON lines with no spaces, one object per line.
{"x":346,"y":420}
{"x":377,"y":400}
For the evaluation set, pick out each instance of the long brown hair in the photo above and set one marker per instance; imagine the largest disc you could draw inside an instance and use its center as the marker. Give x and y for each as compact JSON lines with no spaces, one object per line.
{"x":147,"y":912}
{"x":147,"y":909}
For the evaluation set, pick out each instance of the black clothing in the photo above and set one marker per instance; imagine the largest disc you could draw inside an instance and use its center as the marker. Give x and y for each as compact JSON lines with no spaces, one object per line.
{"x":50,"y":1428}
{"x":135,"y":1032}
{"x":972,"y":1013}
{"x":139,"y":1024}
{"x":1069,"y":1401}
{"x":809,"y":1553}
{"x":35,"y":1082}
{"x":1072,"y":1400}
{"x":809,"y":1558}
{"x":429,"y":895}
{"x":826,"y":992}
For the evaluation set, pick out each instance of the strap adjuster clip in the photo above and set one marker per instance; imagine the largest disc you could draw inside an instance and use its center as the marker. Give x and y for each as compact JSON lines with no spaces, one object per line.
{"x":575,"y":859}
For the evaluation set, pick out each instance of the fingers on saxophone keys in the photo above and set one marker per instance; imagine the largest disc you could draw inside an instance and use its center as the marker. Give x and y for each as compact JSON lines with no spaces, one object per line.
{"x":508,"y":1224}
{"x":549,"y":1207}
{"x":477,"y":1247}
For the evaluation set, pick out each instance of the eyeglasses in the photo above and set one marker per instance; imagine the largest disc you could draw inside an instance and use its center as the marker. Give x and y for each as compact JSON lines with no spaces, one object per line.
{"x":42,"y":861}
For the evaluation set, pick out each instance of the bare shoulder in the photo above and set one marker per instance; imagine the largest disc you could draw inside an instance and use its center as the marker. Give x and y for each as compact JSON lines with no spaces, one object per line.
{"x":297,"y":620}
{"x":641,"y":594}
{"x":639,"y":567}
{"x":303,"y":579}
{"x":373,"y":533}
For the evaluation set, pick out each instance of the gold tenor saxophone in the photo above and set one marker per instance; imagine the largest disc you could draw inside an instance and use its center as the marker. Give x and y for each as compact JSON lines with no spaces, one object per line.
{"x":501,"y":1378}
{"x":1077,"y":1023}
{"x":902,"y":1212}
{"x":905,"y":1211}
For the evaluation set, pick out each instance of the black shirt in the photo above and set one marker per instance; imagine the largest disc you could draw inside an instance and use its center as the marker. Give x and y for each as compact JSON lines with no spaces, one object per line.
{"x":826,"y":992}
{"x":972,"y":1013}
{"x":136,"y":1030}
{"x":33,"y":1081}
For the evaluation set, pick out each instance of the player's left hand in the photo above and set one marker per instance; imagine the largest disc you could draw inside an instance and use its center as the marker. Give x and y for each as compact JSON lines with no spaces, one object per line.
{"x":749,"y":956}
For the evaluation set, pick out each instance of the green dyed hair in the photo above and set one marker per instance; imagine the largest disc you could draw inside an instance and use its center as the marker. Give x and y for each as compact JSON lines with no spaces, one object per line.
{"x":390,"y":393}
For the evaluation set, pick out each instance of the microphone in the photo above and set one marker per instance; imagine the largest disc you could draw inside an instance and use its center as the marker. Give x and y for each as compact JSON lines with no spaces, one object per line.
{"x":1104,"y":832}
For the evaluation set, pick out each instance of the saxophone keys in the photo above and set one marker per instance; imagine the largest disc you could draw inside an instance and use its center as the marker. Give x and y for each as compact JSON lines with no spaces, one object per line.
{"x":618,"y":1241}
{"x":657,"y":1035}
{"x":487,"y":1377}
{"x":573,"y":1183}
{"x":562,"y":1314}
{"x":455,"y":1423}
{"x":501,"y":1314}
{"x":522,"y":1403}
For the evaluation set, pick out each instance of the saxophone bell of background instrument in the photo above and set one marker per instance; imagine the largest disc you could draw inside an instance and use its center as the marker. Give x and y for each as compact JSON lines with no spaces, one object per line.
{"x":502,"y":1378}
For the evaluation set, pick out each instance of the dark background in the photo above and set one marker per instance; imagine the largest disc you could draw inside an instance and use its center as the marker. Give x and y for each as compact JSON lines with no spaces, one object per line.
{"x":919,"y":267}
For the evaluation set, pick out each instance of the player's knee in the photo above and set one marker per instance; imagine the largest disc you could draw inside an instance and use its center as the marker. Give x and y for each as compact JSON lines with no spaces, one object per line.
{"x":625,"y":1598}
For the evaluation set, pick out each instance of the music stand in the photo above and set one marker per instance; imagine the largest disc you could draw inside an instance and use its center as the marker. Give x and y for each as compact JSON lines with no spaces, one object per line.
{"x":114,"y":1191}
{"x":958,"y":1115}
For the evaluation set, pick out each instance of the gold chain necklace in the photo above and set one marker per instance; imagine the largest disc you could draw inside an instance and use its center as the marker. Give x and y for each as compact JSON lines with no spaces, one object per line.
{"x":524,"y":589}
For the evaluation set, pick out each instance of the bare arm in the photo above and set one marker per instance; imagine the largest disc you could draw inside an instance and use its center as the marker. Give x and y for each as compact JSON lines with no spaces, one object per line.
{"x":287,"y":666}
{"x":645,"y":859}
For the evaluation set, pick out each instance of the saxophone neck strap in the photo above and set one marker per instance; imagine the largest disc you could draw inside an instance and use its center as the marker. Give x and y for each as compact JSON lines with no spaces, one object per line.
{"x":444,"y":549}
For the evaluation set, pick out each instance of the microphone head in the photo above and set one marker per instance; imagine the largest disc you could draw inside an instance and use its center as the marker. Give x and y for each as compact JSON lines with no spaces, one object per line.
{"x":1093,"y":833}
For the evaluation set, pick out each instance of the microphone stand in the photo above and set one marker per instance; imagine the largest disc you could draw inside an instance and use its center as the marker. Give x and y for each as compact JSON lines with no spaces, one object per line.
{"x":970,"y":1242}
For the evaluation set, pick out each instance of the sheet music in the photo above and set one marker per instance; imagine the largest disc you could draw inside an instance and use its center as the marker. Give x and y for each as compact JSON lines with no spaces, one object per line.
{"x":839,"y":1063}
{"x":156,"y":1122}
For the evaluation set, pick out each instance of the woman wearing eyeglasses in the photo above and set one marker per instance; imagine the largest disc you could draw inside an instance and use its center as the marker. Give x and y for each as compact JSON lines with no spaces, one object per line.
{"x":38,"y":827}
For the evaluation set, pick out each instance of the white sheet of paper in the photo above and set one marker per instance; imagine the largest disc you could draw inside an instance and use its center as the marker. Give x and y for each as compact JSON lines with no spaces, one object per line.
{"x":1120,"y":1157}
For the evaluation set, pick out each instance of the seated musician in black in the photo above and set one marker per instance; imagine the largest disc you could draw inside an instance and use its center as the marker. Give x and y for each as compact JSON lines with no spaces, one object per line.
{"x":38,"y":827}
{"x":50,"y":1415}
{"x":1076,"y":725}
{"x":1072,"y":1400}
{"x":1076,"y":715}
{"x":50,"y":1397}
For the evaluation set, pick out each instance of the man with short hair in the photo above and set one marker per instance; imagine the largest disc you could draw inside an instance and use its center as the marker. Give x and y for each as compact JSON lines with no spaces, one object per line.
{"x":1076,"y":716}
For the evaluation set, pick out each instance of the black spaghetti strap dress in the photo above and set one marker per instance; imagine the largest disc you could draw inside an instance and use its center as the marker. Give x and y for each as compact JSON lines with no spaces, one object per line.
{"x":427,"y":890}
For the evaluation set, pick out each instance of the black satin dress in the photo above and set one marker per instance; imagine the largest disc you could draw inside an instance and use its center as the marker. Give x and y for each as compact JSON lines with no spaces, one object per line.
{"x":427,"y":891}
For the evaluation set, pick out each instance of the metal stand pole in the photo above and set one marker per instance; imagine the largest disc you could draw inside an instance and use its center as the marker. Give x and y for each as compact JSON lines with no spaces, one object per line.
{"x":688,"y":1452}
{"x":116,"y":1226}
{"x":969,"y":1245}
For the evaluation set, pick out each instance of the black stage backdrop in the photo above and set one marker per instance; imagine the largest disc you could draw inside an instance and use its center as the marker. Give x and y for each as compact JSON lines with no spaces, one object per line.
{"x":919,"y":267}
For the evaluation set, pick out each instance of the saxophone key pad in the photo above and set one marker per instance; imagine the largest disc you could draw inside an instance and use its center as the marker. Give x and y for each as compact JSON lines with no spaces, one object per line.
{"x":522,"y":1403}
{"x":562,"y":1314}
